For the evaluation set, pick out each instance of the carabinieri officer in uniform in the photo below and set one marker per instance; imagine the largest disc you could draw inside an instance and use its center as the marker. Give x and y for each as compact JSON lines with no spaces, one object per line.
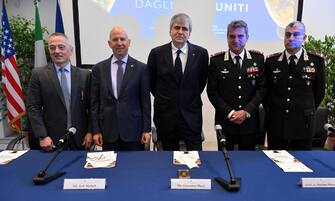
{"x":295,"y":88}
{"x":236,"y":88}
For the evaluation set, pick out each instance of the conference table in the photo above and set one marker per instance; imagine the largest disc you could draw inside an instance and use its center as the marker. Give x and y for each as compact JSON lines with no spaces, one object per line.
{"x":146,"y":176}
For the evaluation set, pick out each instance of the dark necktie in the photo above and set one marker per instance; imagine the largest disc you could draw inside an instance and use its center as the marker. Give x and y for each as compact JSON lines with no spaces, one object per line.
{"x":178,"y":66}
{"x":66,"y":95}
{"x":292,"y":61}
{"x":119,"y":76}
{"x":237,"y":64}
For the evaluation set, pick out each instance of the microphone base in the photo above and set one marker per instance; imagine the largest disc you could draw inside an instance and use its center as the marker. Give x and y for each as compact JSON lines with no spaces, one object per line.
{"x":232,"y":185}
{"x":40,"y":180}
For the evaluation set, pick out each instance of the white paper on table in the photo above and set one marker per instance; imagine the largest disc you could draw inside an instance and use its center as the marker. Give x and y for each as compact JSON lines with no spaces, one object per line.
{"x":286,"y":161}
{"x":104,"y":159}
{"x":9,"y":155}
{"x":189,"y":158}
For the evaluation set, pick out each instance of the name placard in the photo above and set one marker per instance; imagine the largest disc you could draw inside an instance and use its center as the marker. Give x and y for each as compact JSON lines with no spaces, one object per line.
{"x":318,"y":182}
{"x":201,"y":184}
{"x":88,"y":184}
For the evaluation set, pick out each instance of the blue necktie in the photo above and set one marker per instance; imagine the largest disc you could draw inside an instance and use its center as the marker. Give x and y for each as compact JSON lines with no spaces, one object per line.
{"x":119,"y":76}
{"x":66,"y":95}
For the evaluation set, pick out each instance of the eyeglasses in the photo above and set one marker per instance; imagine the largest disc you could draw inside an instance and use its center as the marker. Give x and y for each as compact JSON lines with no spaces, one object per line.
{"x":295,"y":34}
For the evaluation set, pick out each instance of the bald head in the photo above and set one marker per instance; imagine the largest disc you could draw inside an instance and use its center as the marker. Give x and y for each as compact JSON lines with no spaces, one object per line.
{"x":118,"y":29}
{"x":119,"y":42}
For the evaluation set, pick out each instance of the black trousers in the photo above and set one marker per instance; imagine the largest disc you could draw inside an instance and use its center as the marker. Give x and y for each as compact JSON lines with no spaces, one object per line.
{"x":278,"y":143}
{"x":170,"y":137}
{"x":244,"y":142}
{"x":121,"y":145}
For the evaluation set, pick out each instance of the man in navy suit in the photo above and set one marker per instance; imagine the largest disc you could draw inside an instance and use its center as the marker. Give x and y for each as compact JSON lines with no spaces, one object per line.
{"x":49,"y":114}
{"x":178,"y":75}
{"x":120,"y":98}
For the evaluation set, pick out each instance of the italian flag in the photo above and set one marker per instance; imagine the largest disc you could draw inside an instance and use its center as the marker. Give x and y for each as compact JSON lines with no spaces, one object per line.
{"x":40,"y":58}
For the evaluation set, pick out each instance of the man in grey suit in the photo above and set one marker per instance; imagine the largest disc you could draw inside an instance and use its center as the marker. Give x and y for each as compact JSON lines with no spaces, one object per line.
{"x":120,"y":98}
{"x":58,"y":98}
{"x":178,"y":75}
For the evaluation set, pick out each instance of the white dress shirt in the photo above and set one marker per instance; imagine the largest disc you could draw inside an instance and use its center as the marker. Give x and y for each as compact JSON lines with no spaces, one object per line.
{"x":182,"y":55}
{"x":114,"y":68}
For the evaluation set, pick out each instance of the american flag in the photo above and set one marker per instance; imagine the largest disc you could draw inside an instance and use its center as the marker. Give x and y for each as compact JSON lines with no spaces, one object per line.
{"x":10,"y":75}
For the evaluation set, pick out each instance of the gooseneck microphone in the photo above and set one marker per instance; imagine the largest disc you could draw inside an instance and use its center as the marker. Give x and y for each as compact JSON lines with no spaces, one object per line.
{"x":219,"y":134}
{"x":329,"y":128}
{"x":65,"y":138}
{"x":41,"y":177}
{"x":235,"y":182}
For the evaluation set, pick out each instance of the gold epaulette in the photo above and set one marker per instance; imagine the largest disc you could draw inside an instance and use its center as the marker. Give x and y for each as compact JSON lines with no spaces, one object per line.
{"x":275,"y":54}
{"x":256,"y":51}
{"x":218,"y":53}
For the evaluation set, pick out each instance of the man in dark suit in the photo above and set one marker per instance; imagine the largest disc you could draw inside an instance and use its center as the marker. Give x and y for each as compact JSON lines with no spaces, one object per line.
{"x":236,"y":88}
{"x":178,"y":73}
{"x":120,"y":98}
{"x":51,"y":112}
{"x":296,"y":85}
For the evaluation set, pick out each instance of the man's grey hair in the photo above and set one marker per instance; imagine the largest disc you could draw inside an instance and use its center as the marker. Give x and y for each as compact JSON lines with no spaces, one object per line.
{"x":238,"y":24}
{"x":181,"y":18}
{"x":292,"y":24}
{"x":60,"y":34}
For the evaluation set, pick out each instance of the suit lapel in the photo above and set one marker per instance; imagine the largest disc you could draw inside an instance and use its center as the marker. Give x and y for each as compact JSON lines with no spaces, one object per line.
{"x":169,"y":61}
{"x":230,"y":64}
{"x":108,"y":72}
{"x":130,"y":68}
{"x":247,"y":62}
{"x":301,"y":62}
{"x":190,"y":59}
{"x":54,"y":79}
{"x":75,"y":82}
{"x":284,"y":65}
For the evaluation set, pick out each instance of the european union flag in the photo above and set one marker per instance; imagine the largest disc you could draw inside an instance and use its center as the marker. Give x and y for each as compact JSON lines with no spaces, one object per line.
{"x":59,"y":27}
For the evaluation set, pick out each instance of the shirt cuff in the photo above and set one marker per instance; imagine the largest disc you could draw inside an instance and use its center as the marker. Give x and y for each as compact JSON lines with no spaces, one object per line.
{"x":248,"y":114}
{"x":230,"y":114}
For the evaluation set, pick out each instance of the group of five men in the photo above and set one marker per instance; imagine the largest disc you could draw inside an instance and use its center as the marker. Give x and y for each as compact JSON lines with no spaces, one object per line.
{"x":111,"y":106}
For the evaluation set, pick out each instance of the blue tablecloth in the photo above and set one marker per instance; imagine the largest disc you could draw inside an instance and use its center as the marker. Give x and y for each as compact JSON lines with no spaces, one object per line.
{"x":146,"y":176}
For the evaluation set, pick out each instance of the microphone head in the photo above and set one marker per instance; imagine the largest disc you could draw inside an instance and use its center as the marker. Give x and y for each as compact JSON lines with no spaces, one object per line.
{"x":72,"y":130}
{"x":327,"y":126}
{"x":218,"y":127}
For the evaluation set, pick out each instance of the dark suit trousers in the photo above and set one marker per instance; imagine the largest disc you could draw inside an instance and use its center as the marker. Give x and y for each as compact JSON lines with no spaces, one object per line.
{"x":121,"y":145}
{"x":69,"y":144}
{"x":181,"y":131}
{"x":244,"y":142}
{"x":277,"y":143}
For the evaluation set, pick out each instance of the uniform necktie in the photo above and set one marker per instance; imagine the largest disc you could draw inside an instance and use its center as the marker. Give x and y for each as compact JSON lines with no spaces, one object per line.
{"x":66,"y":95}
{"x":119,"y":76}
{"x":238,"y":64}
{"x":292,"y":61}
{"x":178,"y":65}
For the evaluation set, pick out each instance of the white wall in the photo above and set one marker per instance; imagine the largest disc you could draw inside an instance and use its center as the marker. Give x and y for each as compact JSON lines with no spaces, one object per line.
{"x":26,"y":8}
